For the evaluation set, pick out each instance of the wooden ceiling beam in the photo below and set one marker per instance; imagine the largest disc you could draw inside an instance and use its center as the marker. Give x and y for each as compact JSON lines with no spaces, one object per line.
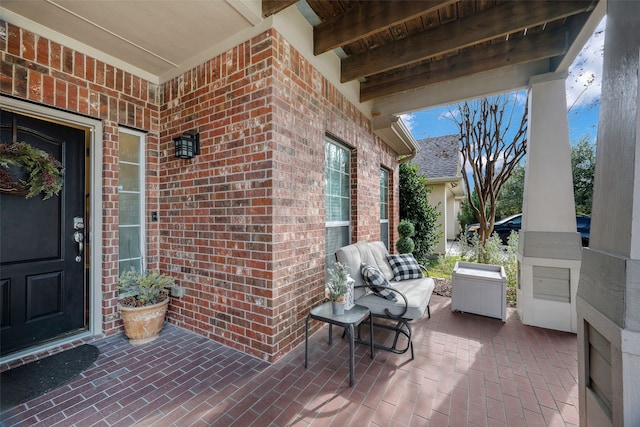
{"x":271,"y":7}
{"x":369,"y":18}
{"x":532,"y":48}
{"x":497,"y":21}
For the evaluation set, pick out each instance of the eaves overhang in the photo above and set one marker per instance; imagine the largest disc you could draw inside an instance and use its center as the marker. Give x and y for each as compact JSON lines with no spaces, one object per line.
{"x":454,"y":183}
{"x":395,"y":133}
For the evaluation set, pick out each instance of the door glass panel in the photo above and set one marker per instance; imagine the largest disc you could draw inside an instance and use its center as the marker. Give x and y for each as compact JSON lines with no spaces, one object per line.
{"x":128,"y":264}
{"x":130,"y":242}
{"x":129,"y":177}
{"x":129,"y":150}
{"x":129,"y":209}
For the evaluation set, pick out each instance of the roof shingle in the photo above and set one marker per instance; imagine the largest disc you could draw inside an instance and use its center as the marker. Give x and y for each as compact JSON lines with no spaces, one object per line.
{"x":438,"y":157}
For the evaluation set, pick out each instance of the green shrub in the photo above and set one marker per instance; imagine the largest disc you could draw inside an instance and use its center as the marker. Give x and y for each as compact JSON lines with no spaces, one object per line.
{"x":415,"y":207}
{"x":511,"y":264}
{"x":405,"y":244}
{"x":406,"y":229}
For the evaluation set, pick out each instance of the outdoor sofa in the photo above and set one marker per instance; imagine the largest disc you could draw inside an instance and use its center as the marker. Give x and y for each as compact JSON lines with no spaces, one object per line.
{"x":390,"y":287}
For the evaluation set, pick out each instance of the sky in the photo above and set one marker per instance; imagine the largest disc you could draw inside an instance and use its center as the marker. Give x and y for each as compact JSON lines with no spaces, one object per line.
{"x":583,"y":96}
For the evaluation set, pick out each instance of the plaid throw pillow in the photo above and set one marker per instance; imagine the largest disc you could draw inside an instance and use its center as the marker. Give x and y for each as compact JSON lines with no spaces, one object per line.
{"x":376,"y":281}
{"x":404,"y":267}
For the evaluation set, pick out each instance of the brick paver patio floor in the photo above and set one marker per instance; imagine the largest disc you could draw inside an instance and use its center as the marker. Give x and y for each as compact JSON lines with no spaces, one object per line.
{"x":468,"y":370}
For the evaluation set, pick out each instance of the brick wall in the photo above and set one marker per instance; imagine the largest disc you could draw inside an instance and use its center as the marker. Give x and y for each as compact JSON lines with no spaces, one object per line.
{"x":241,"y":226}
{"x":243,"y":223}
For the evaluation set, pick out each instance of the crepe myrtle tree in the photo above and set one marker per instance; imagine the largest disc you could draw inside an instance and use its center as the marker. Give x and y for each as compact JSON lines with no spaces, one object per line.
{"x":509,"y":202}
{"x":492,"y":144}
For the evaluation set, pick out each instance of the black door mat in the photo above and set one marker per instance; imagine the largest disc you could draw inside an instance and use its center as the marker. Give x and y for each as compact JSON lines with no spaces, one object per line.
{"x":34,"y":379}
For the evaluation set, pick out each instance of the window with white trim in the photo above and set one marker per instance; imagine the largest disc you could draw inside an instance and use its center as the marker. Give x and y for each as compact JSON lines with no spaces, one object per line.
{"x":338,"y":198}
{"x":384,"y":206}
{"x":131,"y":200}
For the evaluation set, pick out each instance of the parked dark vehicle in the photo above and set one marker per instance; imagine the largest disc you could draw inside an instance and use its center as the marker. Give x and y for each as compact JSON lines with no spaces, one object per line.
{"x":505,"y":226}
{"x":584,"y":228}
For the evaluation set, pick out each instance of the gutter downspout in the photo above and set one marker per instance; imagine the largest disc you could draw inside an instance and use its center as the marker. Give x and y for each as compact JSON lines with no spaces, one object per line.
{"x":403,"y":133}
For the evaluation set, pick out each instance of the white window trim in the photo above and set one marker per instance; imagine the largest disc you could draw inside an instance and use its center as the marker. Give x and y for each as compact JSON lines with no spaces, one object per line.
{"x":343,"y":223}
{"x":386,"y":220}
{"x":141,"y":177}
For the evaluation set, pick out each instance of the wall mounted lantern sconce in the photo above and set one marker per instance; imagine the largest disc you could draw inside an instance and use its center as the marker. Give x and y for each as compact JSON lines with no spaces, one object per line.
{"x":187,"y":145}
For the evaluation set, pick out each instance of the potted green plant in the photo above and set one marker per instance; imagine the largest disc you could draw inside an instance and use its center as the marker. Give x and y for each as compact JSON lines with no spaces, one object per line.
{"x":143,"y":299}
{"x":338,"y":287}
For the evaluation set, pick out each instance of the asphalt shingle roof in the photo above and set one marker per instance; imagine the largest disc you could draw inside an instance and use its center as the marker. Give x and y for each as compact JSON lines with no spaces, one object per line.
{"x":438,"y":157}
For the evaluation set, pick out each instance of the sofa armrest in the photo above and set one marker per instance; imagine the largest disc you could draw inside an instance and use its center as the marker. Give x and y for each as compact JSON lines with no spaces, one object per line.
{"x":424,"y":269}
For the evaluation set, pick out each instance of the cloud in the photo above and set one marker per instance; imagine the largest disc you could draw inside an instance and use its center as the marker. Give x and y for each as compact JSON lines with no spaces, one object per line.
{"x":500,"y":161}
{"x":409,"y":120}
{"x":448,"y":114}
{"x":521,"y":97}
{"x":585,"y":74}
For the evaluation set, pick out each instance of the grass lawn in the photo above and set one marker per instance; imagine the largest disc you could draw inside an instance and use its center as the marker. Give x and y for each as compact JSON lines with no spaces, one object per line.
{"x":442,"y":267}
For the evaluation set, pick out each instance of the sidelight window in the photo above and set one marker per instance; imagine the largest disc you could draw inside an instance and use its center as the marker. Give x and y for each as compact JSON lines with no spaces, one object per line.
{"x":131,"y":200}
{"x":384,"y":206}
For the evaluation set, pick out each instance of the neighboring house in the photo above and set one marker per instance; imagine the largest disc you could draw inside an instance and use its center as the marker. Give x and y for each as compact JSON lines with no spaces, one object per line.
{"x":439,"y":160}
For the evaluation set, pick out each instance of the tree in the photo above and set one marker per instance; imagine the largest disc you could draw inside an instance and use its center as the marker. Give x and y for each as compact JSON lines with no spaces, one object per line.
{"x":466,"y":216}
{"x":583,"y":165}
{"x":510,"y":198}
{"x":415,"y":207}
{"x":491,"y":149}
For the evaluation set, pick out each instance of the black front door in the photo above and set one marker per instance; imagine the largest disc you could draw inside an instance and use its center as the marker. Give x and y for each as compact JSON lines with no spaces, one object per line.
{"x":43,"y":285}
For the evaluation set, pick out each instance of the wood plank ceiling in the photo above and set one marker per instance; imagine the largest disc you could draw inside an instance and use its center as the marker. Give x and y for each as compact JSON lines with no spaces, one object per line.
{"x":396,"y":46}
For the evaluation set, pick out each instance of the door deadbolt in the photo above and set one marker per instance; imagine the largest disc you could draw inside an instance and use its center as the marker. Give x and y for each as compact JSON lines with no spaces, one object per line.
{"x":78,"y":223}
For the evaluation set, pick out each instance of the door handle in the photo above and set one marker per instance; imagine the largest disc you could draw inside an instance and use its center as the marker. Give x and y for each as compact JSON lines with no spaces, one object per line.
{"x":78,"y":237}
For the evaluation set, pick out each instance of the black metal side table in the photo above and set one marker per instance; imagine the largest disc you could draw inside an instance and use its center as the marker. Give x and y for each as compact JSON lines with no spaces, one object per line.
{"x":349,"y":320}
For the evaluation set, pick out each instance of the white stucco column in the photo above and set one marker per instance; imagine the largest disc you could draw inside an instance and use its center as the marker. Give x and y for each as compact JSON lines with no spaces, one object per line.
{"x":609,"y":289}
{"x":549,"y":247}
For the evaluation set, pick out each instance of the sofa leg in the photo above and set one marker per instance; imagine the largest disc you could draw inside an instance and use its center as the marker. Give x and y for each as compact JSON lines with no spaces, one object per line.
{"x":429,"y":312}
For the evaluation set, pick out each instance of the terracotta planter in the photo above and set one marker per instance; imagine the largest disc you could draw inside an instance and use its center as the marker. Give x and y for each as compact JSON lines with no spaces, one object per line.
{"x":143,"y":324}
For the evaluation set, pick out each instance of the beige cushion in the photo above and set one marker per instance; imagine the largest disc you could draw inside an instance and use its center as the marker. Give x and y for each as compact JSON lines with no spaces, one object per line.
{"x":350,"y":256}
{"x":417,"y":291}
{"x":379,"y":252}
